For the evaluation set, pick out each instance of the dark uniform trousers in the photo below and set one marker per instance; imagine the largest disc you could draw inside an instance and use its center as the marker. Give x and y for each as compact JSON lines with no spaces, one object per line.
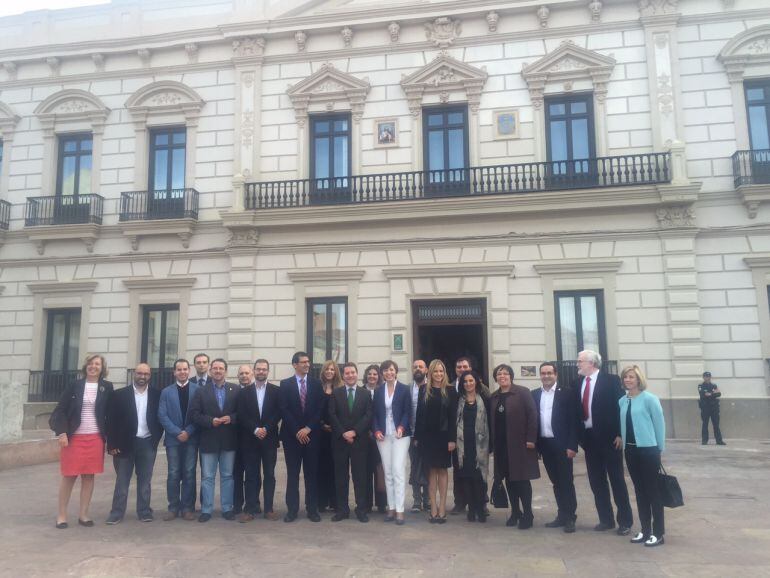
{"x":709,"y":411}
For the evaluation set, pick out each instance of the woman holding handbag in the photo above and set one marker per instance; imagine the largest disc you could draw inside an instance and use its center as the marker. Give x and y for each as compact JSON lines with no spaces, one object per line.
{"x":79,"y":421}
{"x":643,"y":430}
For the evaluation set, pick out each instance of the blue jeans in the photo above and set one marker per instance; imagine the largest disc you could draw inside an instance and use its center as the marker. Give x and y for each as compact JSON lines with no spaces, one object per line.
{"x":209,"y":463}
{"x":182,"y":461}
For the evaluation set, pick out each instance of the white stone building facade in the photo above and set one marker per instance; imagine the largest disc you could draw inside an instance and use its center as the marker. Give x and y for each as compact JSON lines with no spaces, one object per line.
{"x":513,"y":180}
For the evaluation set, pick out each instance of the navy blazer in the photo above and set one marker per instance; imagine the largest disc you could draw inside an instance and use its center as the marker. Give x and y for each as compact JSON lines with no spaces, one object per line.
{"x":564,"y":418}
{"x":402,"y":408}
{"x":204,"y":408}
{"x":604,"y":407}
{"x":170,"y":413}
{"x":122,"y":419}
{"x":65,"y":418}
{"x":294,"y":419}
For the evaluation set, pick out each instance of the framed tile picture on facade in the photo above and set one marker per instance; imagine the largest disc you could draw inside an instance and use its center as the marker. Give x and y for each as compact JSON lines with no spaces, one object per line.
{"x":506,"y":123}
{"x":385,"y":132}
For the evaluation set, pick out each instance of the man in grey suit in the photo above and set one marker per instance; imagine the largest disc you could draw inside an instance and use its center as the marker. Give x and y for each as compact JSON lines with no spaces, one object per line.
{"x":181,"y":441}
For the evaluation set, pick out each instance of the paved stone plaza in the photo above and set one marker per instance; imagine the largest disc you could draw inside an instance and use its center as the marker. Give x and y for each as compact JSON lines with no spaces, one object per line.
{"x":724,"y":530}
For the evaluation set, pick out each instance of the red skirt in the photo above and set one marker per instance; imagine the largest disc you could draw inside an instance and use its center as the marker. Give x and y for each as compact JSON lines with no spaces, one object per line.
{"x":83,"y":455}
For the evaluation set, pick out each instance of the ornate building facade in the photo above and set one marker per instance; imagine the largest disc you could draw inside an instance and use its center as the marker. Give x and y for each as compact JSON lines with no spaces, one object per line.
{"x":513,"y":181}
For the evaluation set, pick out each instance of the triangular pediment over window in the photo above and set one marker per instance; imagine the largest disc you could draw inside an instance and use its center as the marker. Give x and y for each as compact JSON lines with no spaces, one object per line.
{"x":443,"y":77}
{"x":329,"y":89}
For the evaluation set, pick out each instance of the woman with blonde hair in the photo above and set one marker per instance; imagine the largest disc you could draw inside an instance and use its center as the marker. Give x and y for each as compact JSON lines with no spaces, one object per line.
{"x":80,"y":420}
{"x":436,"y":434}
{"x":330,"y":380}
{"x":643,"y":430}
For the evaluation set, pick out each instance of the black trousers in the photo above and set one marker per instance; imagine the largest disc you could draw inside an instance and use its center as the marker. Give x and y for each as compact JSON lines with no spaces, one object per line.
{"x":374,"y":497}
{"x":709,"y":412}
{"x":327,"y":493}
{"x":301,"y":458}
{"x":259,"y":463}
{"x":350,"y":461}
{"x":239,"y":474}
{"x":141,"y":460}
{"x":603,"y":461}
{"x":474,"y":490}
{"x":419,"y":490}
{"x":520,"y":497}
{"x":643,"y":466}
{"x":461,"y":500}
{"x":559,"y":468}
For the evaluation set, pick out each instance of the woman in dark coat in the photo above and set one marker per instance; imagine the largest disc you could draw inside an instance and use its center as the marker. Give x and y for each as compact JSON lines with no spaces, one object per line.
{"x":513,"y":423}
{"x":436,"y":433}
{"x":80,"y":420}
{"x":473,"y":443}
{"x":327,"y":500}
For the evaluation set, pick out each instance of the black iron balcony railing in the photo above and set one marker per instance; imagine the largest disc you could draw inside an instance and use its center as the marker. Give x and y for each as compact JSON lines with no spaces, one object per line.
{"x":151,"y":205}
{"x":49,"y":385}
{"x":617,"y":171}
{"x":568,"y":372}
{"x":5,"y":215}
{"x":159,"y":378}
{"x":751,"y":167}
{"x":64,"y":210}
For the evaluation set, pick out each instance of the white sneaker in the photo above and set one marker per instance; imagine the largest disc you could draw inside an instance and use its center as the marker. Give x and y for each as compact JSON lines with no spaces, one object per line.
{"x":654,"y":541}
{"x":639,"y":538}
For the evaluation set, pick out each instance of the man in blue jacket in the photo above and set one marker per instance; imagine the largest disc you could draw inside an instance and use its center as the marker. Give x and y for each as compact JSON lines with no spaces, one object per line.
{"x":181,"y":442}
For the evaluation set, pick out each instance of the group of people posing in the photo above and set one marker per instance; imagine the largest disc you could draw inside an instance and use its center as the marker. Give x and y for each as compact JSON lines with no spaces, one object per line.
{"x":373,"y":429}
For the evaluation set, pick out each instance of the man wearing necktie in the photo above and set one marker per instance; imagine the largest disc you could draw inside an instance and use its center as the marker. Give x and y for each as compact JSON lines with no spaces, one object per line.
{"x":350,"y":413}
{"x":300,"y":401}
{"x":599,"y":430}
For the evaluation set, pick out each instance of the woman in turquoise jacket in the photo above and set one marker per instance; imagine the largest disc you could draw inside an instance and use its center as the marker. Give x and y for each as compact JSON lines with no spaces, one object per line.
{"x":643,"y":430}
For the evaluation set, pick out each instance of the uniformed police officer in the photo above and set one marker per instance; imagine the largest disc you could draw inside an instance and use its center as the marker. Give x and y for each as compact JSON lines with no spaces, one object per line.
{"x":709,"y":409}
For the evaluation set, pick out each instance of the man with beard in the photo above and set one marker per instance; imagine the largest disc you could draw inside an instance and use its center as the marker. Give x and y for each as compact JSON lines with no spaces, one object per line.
{"x":417,"y":478}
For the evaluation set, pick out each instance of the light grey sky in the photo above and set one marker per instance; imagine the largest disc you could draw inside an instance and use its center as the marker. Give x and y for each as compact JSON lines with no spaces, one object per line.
{"x":10,"y":7}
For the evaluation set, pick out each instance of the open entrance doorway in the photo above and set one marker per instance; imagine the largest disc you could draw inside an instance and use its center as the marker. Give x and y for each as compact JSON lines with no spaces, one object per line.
{"x":450,"y":328}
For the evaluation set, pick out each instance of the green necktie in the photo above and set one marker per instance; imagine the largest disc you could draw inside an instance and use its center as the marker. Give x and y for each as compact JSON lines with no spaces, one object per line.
{"x":350,"y":399}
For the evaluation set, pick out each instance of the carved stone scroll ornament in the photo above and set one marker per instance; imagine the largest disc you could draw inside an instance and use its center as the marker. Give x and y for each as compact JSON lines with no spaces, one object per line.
{"x":245,"y":47}
{"x":657,"y":7}
{"x":443,"y":31}
{"x":191,"y":49}
{"x":54,"y":64}
{"x":243,"y":238}
{"x":675,"y":217}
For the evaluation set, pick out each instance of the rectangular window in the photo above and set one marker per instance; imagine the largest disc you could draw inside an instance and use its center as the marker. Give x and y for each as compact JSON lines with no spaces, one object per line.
{"x":62,"y":340}
{"x":445,"y":150}
{"x":758,"y":111}
{"x":160,"y":340}
{"x":327,"y":330}
{"x":570,"y":137}
{"x":330,"y":156}
{"x":579,"y":323}
{"x":167,"y":158}
{"x":74,"y":166}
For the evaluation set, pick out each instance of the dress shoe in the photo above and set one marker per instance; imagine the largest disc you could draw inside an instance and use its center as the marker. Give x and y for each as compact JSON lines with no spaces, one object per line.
{"x":381,"y":509}
{"x":245,"y":518}
{"x":258,"y":510}
{"x":86,"y":523}
{"x":314,"y":517}
{"x":482,"y":517}
{"x":639,"y":538}
{"x":169,"y":516}
{"x":62,"y":525}
{"x":704,"y":443}
{"x":513,"y":519}
{"x":457,"y":510}
{"x":556,"y":523}
{"x":362,"y":517}
{"x":272,"y":516}
{"x":389,"y":518}
{"x":525,"y":523}
{"x":719,"y":444}
{"x":441,"y":519}
{"x":653,"y":541}
{"x":602,"y":527}
{"x":416,"y":508}
{"x":189,"y":516}
{"x":204,"y":518}
{"x":432,"y":519}
{"x":229,"y":516}
{"x":338,"y":517}
{"x":400,"y":521}
{"x":289,"y":517}
{"x":471,"y":515}
{"x":112,"y":520}
{"x":624,"y":530}
{"x":569,"y":527}
{"x":426,"y":506}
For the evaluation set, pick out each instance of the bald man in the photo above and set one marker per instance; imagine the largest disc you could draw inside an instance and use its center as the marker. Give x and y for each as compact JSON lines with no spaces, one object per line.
{"x":133,"y":433}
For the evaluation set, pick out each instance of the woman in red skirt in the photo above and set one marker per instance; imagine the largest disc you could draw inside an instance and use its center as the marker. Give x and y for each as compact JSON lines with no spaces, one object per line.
{"x":79,"y":422}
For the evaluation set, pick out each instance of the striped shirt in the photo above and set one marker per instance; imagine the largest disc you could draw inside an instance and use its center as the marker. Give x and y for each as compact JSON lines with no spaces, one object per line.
{"x":88,"y":424}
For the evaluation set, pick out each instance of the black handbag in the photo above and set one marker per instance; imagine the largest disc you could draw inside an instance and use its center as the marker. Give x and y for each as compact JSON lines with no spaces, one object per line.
{"x":498,"y":495}
{"x":670,"y":492}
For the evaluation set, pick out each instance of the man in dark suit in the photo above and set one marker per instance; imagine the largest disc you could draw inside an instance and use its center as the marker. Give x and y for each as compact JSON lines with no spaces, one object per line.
{"x":133,"y":433}
{"x":557,"y":442}
{"x":213,"y":410}
{"x":350,"y":413}
{"x":201,"y":363}
{"x":245,"y":379}
{"x":301,"y":402}
{"x":258,"y":417}
{"x":597,"y":394}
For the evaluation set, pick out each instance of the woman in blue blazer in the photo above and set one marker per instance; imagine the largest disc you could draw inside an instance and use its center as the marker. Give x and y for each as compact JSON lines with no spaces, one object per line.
{"x":392,"y":413}
{"x":643,"y":430}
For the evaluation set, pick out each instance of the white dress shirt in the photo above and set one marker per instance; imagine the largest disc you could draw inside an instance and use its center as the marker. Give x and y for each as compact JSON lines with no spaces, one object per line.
{"x":261,"y":388}
{"x":140,"y":399}
{"x":415,"y":400}
{"x":390,"y":425}
{"x":589,"y":423}
{"x":546,"y":411}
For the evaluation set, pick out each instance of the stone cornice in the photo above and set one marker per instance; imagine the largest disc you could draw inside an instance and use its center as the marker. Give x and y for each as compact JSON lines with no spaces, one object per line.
{"x":320,"y":275}
{"x":61,"y":286}
{"x":498,"y":268}
{"x":758,"y":261}
{"x":119,"y":258}
{"x":160,"y":283}
{"x":577,"y":266}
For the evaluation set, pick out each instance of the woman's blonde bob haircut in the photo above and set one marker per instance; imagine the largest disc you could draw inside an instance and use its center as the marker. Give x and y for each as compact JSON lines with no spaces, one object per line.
{"x":634,"y":369}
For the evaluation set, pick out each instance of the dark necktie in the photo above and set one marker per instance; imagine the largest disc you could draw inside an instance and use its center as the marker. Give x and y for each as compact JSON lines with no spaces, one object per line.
{"x":587,"y":399}
{"x":302,"y":393}
{"x":350,"y":399}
